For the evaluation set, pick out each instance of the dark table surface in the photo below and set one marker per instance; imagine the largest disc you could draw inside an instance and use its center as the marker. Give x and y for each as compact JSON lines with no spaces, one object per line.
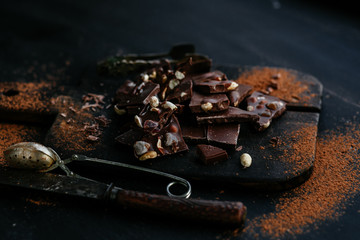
{"x":68,"y":38}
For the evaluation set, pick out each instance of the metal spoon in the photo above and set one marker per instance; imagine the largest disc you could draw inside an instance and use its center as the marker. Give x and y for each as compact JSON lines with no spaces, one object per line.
{"x":35,"y":156}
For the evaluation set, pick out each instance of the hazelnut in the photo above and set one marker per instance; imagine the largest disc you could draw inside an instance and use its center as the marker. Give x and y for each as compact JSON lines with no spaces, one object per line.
{"x":266,"y":113}
{"x":245,"y":160}
{"x":170,"y":139}
{"x":148,"y":155}
{"x":183,"y":94}
{"x":141,"y":147}
{"x":233,"y":86}
{"x":179,"y":75}
{"x":173,"y":83}
{"x":170,"y":105}
{"x":153,"y":75}
{"x":154,"y":101}
{"x":272,"y":105}
{"x":206,"y":106}
{"x":119,"y":111}
{"x":138,"y":121}
{"x":250,"y":108}
{"x":144,"y":77}
{"x":266,"y":125}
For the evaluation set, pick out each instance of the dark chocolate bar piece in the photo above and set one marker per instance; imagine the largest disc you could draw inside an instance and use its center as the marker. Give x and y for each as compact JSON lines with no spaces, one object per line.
{"x":193,"y":133}
{"x":238,"y":95}
{"x":182,"y":92}
{"x":210,"y":155}
{"x":140,"y":94}
{"x":166,"y":142}
{"x":129,"y":137}
{"x":213,"y":82}
{"x":155,"y":115}
{"x":232,"y":114}
{"x":194,"y":64}
{"x":267,"y":107}
{"x":224,"y":135}
{"x":208,"y":103}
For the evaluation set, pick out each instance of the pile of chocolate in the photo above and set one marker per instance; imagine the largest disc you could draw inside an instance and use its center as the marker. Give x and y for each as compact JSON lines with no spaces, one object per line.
{"x":171,"y":105}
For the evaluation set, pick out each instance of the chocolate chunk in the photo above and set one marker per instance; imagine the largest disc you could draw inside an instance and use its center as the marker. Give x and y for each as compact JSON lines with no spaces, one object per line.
{"x":140,"y":94}
{"x":152,"y":118}
{"x":193,"y":133}
{"x":194,"y":64}
{"x":238,"y":95}
{"x":210,"y":155}
{"x":182,"y":92}
{"x":232,"y":114}
{"x":267,"y":107}
{"x":129,"y":137}
{"x":208,"y":103}
{"x":213,"y":82}
{"x":225,"y":135}
{"x":167,"y":141}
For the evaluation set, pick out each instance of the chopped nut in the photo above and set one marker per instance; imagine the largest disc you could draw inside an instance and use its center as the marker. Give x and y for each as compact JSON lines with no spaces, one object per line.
{"x":233,"y":86}
{"x":267,"y":124}
{"x":183,"y":94}
{"x":266,"y":113}
{"x":245,"y":160}
{"x":144,"y":77}
{"x":153,"y":75}
{"x":163,"y":93}
{"x":206,"y":106}
{"x":154,"y":101}
{"x":164,"y":78}
{"x":173,"y":83}
{"x":158,"y":145}
{"x":119,"y":111}
{"x":179,"y":75}
{"x":141,"y":147}
{"x":138,"y":121}
{"x":154,"y":109}
{"x":250,"y":108}
{"x":148,"y":155}
{"x":170,"y":105}
{"x":170,"y":139}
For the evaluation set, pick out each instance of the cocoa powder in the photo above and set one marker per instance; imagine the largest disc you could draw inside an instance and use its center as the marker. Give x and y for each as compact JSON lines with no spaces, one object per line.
{"x":277,"y":82}
{"x":334,"y":182}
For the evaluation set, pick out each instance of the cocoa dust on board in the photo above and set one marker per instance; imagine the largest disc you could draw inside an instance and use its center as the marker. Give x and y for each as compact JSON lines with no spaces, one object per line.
{"x":276,"y":82}
{"x":324,"y":196}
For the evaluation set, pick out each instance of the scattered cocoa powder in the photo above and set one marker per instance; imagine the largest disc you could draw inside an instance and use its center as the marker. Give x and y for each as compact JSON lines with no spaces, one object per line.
{"x":18,"y":96}
{"x":334,"y":182}
{"x":277,"y":82}
{"x":14,"y":133}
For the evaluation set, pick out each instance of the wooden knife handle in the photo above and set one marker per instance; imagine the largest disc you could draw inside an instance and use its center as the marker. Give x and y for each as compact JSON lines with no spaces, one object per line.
{"x":221,"y":212}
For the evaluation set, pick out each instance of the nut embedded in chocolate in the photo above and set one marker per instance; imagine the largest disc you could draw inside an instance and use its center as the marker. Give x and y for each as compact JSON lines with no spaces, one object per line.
{"x":208,"y":103}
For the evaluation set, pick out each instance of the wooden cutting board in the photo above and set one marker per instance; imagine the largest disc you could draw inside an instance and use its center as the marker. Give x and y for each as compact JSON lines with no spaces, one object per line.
{"x":283,"y":155}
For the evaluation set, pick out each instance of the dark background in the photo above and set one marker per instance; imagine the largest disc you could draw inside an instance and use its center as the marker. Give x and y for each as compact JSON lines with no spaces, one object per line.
{"x":320,"y":39}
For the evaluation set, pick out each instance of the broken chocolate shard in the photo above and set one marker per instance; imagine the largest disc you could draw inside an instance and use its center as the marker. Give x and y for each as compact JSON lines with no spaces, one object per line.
{"x":193,"y":133}
{"x":223,"y":135}
{"x":208,"y":103}
{"x":210,"y":155}
{"x":167,"y":141}
{"x":194,"y":64}
{"x":129,"y":137}
{"x":140,"y":94}
{"x":232,"y":114}
{"x":213,"y":82}
{"x":182,"y":92}
{"x":267,"y":107}
{"x":238,"y":95}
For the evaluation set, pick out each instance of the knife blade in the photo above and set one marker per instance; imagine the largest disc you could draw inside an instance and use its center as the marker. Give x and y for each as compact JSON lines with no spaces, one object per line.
{"x":220,"y":212}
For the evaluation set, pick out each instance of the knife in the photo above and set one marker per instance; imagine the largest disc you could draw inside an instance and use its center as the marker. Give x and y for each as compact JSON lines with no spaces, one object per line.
{"x":220,"y":212}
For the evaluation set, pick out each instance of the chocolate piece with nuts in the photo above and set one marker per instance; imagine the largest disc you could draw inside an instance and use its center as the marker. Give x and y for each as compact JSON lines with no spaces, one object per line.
{"x":131,"y":94}
{"x":182,"y":92}
{"x":208,"y":103}
{"x":210,"y":155}
{"x":194,"y":64}
{"x":238,"y":95}
{"x":232,"y":114}
{"x":167,"y":141}
{"x":213,"y":82}
{"x":155,"y":115}
{"x":223,"y":135}
{"x":267,"y":107}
